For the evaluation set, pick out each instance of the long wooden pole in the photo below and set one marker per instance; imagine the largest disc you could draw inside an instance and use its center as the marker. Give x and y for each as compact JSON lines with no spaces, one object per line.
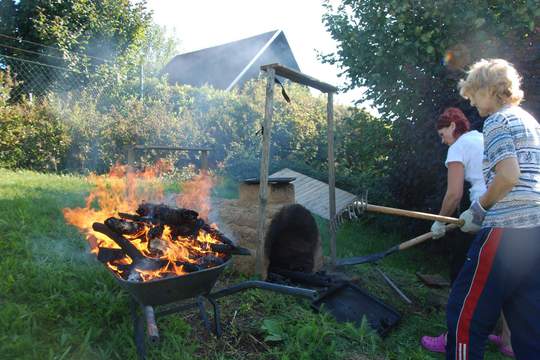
{"x":413,"y":214}
{"x":265,"y":161}
{"x":331,"y":174}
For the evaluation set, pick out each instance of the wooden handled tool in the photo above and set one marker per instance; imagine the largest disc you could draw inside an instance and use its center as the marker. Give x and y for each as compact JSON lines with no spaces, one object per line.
{"x":355,"y":209}
{"x":378,"y":256}
{"x":413,"y":214}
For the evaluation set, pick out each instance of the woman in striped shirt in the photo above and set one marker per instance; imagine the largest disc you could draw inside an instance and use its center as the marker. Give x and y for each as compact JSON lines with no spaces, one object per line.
{"x":502,"y":271}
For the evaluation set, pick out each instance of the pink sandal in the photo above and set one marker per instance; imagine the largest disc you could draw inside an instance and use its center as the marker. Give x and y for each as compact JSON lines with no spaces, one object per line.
{"x":435,"y":344}
{"x":505,"y":350}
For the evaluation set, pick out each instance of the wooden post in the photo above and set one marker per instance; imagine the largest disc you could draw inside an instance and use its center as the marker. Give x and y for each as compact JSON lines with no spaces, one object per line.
{"x":265,"y":161}
{"x":204,"y":160}
{"x":331,"y":175}
{"x":131,"y":156}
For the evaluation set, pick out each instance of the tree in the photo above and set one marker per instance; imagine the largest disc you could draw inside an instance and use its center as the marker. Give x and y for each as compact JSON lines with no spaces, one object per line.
{"x":396,"y":49}
{"x":77,"y":34}
{"x":158,"y":48}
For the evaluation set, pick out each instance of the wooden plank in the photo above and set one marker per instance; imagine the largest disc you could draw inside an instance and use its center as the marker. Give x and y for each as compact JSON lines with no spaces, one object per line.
{"x":317,"y":193}
{"x":308,"y":188}
{"x":303,"y":182}
{"x":311,"y":193}
{"x":170,"y":148}
{"x":300,"y":78}
{"x":342,"y":196}
{"x":265,"y":162}
{"x":340,"y":206}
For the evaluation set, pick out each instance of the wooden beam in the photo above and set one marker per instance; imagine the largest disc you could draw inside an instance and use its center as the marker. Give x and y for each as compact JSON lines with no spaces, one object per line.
{"x":263,"y":180}
{"x":300,"y":78}
{"x":331,"y":174}
{"x":169,"y":148}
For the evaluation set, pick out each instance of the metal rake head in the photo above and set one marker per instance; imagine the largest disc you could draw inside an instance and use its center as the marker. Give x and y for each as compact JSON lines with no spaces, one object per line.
{"x":351,"y":211}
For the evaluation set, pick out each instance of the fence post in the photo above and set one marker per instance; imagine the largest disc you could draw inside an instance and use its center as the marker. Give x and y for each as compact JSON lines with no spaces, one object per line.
{"x":130,"y":156}
{"x":204,"y":160}
{"x":141,"y":79}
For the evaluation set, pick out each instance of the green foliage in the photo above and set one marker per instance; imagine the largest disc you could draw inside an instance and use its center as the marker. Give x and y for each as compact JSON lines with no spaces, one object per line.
{"x":100,"y":128}
{"x":105,"y":29}
{"x":395,"y":50}
{"x":158,"y":48}
{"x":362,"y":146}
{"x":6,"y":85}
{"x":273,"y":329}
{"x":31,"y":134}
{"x":83,"y":36}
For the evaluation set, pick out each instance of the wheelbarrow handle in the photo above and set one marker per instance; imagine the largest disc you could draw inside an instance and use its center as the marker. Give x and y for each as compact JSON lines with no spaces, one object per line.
{"x":413,"y":214}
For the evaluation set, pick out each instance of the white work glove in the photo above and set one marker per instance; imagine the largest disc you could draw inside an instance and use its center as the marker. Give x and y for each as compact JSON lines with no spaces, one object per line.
{"x":438,"y":229}
{"x":473,"y":217}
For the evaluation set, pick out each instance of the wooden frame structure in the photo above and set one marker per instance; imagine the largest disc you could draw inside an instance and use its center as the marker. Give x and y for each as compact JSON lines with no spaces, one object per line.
{"x":273,"y":70}
{"x":204,"y":152}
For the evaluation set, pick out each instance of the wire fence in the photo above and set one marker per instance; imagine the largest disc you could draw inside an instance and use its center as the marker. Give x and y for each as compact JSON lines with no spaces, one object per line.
{"x":32,"y":78}
{"x":37,"y":70}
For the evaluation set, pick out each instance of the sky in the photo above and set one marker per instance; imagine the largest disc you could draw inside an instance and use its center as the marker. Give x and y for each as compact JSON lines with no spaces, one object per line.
{"x":199,"y":24}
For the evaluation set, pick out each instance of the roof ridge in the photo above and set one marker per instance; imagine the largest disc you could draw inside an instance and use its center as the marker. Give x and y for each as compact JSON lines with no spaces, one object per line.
{"x":252,"y":61}
{"x":228,"y":43}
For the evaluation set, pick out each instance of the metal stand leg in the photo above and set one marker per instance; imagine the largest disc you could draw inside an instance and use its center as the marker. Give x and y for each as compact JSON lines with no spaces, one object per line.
{"x":138,"y":330}
{"x":204,"y":316}
{"x":217,"y":316}
{"x":202,"y":312}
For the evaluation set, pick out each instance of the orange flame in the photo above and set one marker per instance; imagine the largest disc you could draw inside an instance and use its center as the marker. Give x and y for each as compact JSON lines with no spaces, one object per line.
{"x":122,"y":190}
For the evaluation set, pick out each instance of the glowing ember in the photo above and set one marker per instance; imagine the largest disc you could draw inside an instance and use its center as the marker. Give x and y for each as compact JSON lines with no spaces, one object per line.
{"x":175,"y":241}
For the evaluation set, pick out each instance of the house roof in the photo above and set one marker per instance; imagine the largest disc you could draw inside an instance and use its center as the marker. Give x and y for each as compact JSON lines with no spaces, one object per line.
{"x":227,"y":65}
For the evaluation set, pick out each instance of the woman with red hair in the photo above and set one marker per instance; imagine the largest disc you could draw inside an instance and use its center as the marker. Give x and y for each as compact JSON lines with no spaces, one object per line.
{"x":464,"y":162}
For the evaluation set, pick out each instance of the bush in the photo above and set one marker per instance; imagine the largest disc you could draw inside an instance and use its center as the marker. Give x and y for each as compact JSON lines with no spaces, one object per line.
{"x":79,"y":132}
{"x":32,"y":137}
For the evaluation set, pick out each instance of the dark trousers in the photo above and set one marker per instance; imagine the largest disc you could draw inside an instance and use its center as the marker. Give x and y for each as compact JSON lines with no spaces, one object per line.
{"x":459,"y":243}
{"x":502,"y":272}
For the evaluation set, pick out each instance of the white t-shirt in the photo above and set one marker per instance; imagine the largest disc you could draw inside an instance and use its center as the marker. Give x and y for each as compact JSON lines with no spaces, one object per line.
{"x":468,"y":149}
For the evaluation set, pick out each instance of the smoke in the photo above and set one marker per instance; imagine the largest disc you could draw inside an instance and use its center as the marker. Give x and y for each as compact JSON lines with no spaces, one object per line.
{"x":196,"y":194}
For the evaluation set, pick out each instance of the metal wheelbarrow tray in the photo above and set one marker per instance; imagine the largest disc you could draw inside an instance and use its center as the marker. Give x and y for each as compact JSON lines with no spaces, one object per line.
{"x":172,"y":289}
{"x":349,"y":303}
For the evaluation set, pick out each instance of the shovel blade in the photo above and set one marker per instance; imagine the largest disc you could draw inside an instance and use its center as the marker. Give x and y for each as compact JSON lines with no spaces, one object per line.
{"x":366,"y":258}
{"x":360,"y":259}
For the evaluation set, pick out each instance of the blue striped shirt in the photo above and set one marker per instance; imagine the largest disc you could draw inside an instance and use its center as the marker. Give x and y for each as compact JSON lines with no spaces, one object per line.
{"x":514,"y":133}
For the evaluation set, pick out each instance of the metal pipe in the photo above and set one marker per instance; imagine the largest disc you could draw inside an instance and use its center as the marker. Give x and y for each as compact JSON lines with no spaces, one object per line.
{"x":393,"y":286}
{"x":263,"y":285}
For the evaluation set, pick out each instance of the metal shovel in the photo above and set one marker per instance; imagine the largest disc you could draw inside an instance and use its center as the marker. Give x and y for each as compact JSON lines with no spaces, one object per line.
{"x":378,"y":256}
{"x":140,"y":262}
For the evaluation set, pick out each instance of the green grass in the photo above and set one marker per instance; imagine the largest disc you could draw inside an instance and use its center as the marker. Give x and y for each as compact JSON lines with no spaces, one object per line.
{"x":58,"y":302}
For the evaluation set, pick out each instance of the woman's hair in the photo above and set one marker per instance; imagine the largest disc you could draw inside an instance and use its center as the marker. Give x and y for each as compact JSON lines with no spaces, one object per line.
{"x":497,"y":76}
{"x":454,"y":115}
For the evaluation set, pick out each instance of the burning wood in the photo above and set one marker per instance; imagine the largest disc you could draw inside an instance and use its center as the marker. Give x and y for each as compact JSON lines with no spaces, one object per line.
{"x":124,"y":227}
{"x":155,"y":247}
{"x":209,"y":261}
{"x":229,"y":249}
{"x":108,"y":254}
{"x":156,"y":240}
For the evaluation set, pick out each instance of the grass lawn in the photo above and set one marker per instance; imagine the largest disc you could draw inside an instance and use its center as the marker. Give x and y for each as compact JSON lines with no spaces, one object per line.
{"x":58,"y":302}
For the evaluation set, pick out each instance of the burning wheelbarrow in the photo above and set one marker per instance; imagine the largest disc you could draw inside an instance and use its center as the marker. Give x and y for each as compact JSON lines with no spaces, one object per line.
{"x":168,"y":255}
